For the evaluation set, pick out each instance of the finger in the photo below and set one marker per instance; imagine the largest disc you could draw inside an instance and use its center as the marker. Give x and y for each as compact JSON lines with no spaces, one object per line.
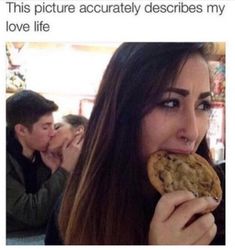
{"x":191,"y":208}
{"x":199,"y":227}
{"x":208,"y":236}
{"x":42,"y":153}
{"x":168,"y":203}
{"x":65,"y":144}
{"x":77,"y":139}
{"x":79,"y":146}
{"x":45,"y":154}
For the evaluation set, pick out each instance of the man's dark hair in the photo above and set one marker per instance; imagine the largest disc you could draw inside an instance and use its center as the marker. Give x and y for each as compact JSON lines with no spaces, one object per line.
{"x":26,"y":107}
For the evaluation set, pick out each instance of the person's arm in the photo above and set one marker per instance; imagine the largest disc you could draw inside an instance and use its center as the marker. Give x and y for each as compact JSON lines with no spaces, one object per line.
{"x":32,"y":209}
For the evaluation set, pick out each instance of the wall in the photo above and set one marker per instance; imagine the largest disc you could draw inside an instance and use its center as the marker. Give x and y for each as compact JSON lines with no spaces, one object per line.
{"x":63,"y":72}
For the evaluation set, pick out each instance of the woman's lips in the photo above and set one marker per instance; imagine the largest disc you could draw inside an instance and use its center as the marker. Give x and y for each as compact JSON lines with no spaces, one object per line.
{"x":179,"y":151}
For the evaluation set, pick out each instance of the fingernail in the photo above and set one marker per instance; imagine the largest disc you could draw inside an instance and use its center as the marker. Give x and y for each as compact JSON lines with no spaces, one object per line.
{"x":213,"y":199}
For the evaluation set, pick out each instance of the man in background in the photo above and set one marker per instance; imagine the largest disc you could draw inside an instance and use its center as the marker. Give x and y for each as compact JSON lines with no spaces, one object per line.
{"x":32,"y":186}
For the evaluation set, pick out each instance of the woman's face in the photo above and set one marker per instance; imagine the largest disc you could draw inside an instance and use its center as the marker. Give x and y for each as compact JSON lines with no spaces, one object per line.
{"x":64,"y":132}
{"x":180,"y":120}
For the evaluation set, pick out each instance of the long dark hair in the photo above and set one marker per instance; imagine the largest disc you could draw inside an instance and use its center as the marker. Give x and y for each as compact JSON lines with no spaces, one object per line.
{"x":104,"y":202}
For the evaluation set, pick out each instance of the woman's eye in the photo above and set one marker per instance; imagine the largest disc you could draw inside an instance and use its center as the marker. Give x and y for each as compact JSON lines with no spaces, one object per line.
{"x":204,"y":106}
{"x":57,"y":126}
{"x":170,"y":104}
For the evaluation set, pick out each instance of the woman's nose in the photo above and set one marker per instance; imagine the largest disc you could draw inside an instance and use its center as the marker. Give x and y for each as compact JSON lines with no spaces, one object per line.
{"x":189,"y":127}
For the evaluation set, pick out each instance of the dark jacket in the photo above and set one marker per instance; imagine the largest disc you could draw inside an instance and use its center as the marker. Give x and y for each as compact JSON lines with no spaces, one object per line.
{"x":31,"y":188}
{"x":53,"y":236}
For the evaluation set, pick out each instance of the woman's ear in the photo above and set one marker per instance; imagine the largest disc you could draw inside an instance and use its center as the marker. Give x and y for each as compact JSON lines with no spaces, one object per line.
{"x":20,"y":129}
{"x":79,"y":129}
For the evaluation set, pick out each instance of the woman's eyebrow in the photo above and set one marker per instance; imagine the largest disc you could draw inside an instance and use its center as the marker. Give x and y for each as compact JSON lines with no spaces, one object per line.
{"x":57,"y":125}
{"x":179,"y":91}
{"x":185,"y":92}
{"x":204,"y":95}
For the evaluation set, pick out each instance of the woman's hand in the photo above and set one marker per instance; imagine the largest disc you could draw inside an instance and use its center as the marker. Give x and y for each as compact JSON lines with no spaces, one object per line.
{"x":71,"y":151}
{"x":182,"y":219}
{"x":50,"y":159}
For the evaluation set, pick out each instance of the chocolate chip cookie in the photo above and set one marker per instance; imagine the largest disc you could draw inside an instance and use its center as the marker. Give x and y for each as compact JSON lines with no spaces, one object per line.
{"x":168,"y":172}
